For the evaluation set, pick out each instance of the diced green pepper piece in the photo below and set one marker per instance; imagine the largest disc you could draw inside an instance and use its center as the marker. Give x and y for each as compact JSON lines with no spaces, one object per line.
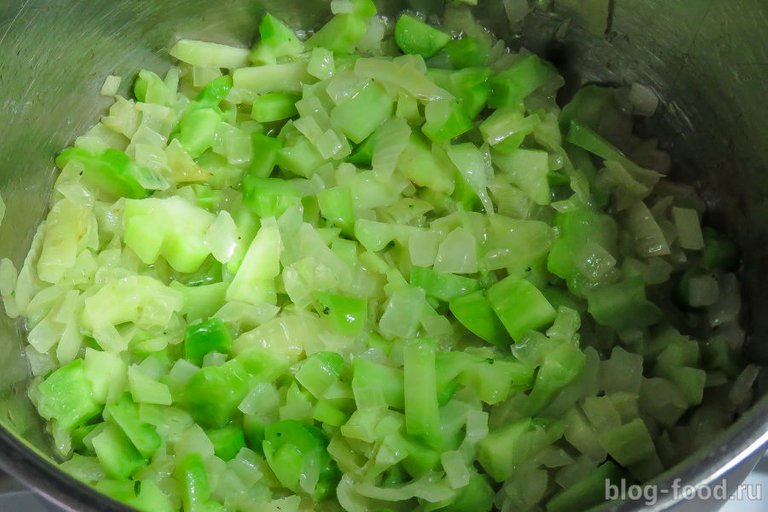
{"x":587,"y":492}
{"x":623,"y":305}
{"x":326,"y":412}
{"x":336,"y":205}
{"x":290,"y":447}
{"x":79,"y":435}
{"x":419,"y":164}
{"x":561,"y":366}
{"x":527,"y":74}
{"x":422,"y":416}
{"x":320,"y":371}
{"x":503,"y":450}
{"x":227,"y":441}
{"x":277,"y":40}
{"x":442,"y":286}
{"x":341,"y":34}
{"x":718,"y":355}
{"x":197,"y":130}
{"x":215,"y":92}
{"x":477,"y":496}
{"x":474,"y":312}
{"x":145,"y":495}
{"x":274,"y":106}
{"x":362,"y":156}
{"x":581,"y":233}
{"x":360,"y":115}
{"x":506,"y":124}
{"x":421,"y":458}
{"x":111,"y":172}
{"x":719,"y":251}
{"x":66,"y":396}
{"x":266,"y":150}
{"x":152,"y":499}
{"x":213,"y":394}
{"x":629,"y":444}
{"x":125,"y":414}
{"x":581,"y":136}
{"x":299,"y":156}
{"x":416,"y":37}
{"x":263,"y":364}
{"x":172,"y":228}
{"x":593,"y":106}
{"x":369,"y":375}
{"x":201,"y":301}
{"x":193,"y":483}
{"x":150,"y":88}
{"x":348,"y":315}
{"x":253,"y":429}
{"x":205,"y":337}
{"x":364,"y":8}
{"x":494,"y":378}
{"x":679,"y":363}
{"x":446,"y":120}
{"x":468,"y":52}
{"x":269,"y":197}
{"x":521,"y":306}
{"x":472,"y":89}
{"x":116,"y":454}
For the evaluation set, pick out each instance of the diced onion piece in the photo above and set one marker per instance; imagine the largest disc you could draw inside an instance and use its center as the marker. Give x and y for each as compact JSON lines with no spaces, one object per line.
{"x":111,"y":86}
{"x":287,"y":77}
{"x":644,"y":101}
{"x":391,"y":140}
{"x":403,"y":76}
{"x":223,"y":238}
{"x":402,"y":312}
{"x":458,"y":253}
{"x":689,"y":233}
{"x":648,"y":236}
{"x":456,"y":469}
{"x":210,"y":55}
{"x":8,"y":278}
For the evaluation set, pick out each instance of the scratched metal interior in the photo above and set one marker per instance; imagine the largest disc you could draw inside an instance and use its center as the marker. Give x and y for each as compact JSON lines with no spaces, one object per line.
{"x":708,"y":59}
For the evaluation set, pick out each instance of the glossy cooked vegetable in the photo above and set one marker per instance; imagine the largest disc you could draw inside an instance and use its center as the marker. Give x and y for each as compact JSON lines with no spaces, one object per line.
{"x":379,"y":269}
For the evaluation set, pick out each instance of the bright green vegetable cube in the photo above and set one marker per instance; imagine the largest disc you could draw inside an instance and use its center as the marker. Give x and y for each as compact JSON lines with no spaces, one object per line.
{"x":416,"y":37}
{"x":512,"y":85}
{"x":422,"y":417}
{"x":629,"y":444}
{"x":227,"y":441}
{"x":347,"y":315}
{"x":111,"y":172}
{"x":360,"y":115}
{"x":623,"y":305}
{"x":475,"y":312}
{"x":445,"y":287}
{"x":117,"y":455}
{"x":521,"y":307}
{"x":205,"y":337}
{"x":125,"y":414}
{"x":213,"y":394}
{"x":269,"y":197}
{"x":66,"y":396}
{"x":274,"y":106}
{"x":292,"y":446}
{"x":276,"y":41}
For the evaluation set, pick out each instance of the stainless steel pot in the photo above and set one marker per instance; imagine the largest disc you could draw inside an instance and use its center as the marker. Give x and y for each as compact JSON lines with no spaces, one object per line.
{"x":708,"y":59}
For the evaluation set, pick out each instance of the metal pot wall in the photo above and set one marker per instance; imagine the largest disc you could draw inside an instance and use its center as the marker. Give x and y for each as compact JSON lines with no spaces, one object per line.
{"x":707,"y":59}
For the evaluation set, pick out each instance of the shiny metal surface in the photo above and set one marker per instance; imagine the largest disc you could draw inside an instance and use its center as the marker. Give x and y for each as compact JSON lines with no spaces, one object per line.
{"x":708,"y":60}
